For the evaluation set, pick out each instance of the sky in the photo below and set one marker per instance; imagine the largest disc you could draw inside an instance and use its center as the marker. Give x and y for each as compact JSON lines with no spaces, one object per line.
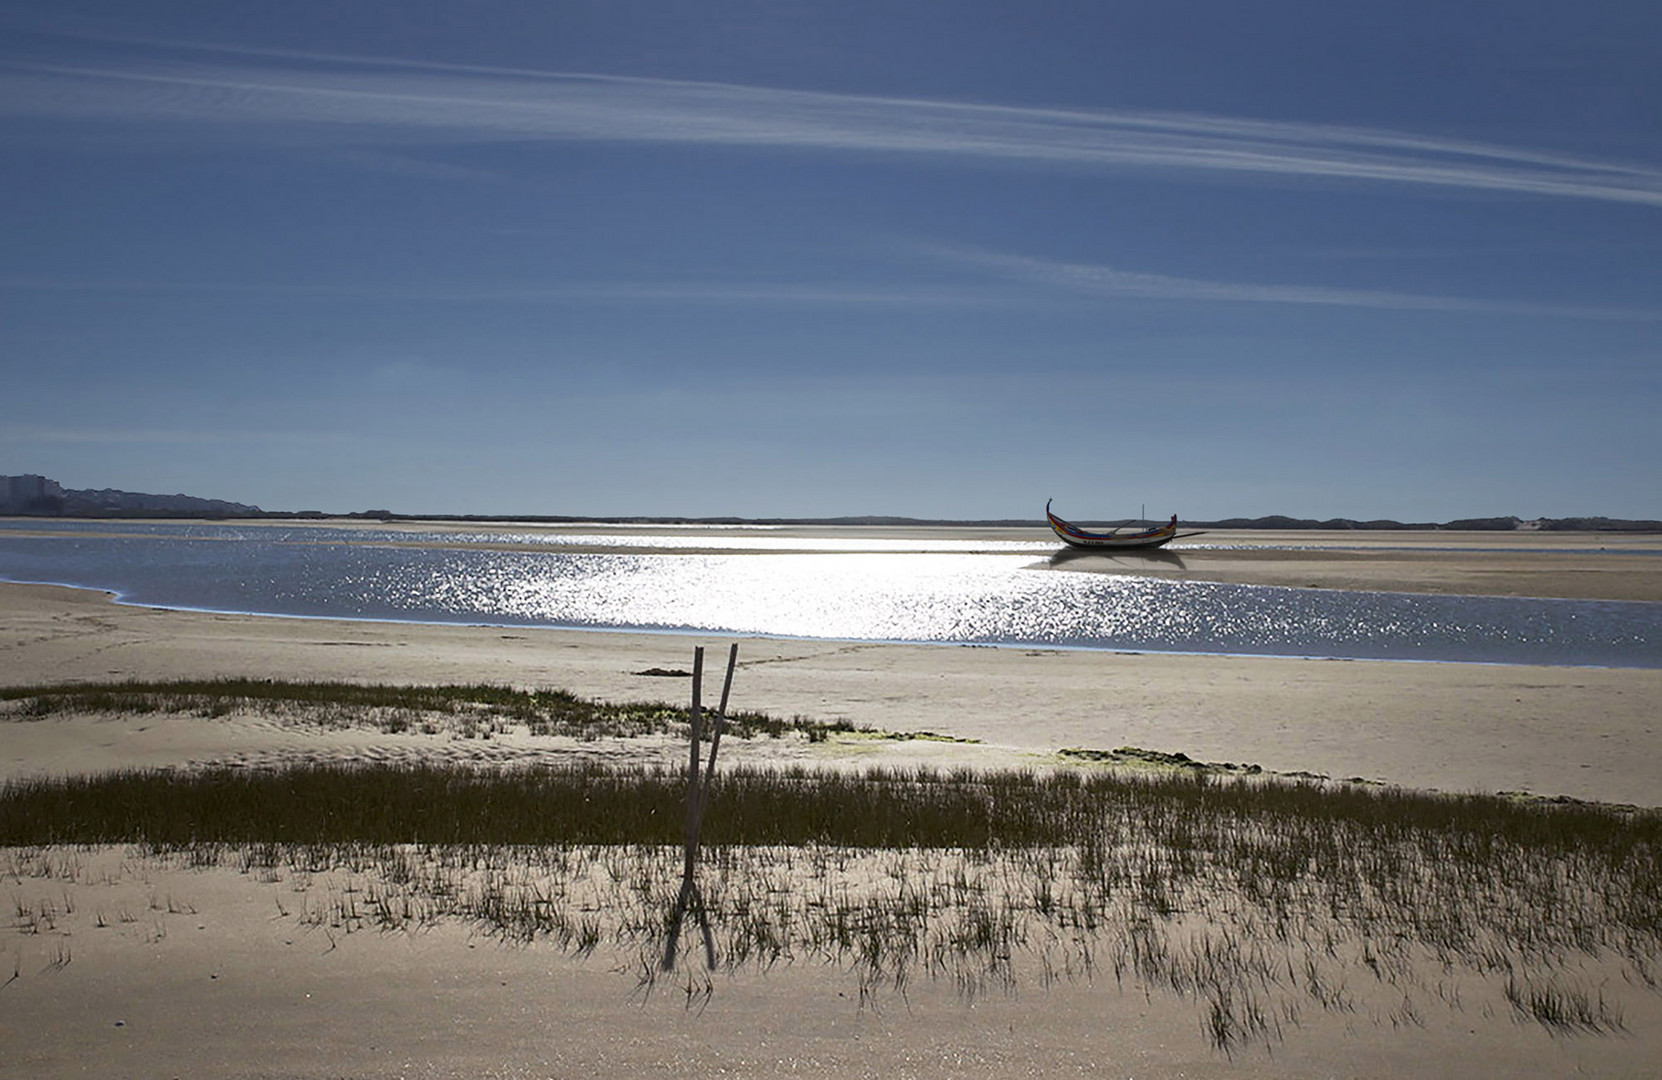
{"x":931,"y":258}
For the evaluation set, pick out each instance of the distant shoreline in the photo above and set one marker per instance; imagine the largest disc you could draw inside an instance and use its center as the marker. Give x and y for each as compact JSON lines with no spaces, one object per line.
{"x":1606,"y":566}
{"x":34,"y":496}
{"x":1275,"y":522}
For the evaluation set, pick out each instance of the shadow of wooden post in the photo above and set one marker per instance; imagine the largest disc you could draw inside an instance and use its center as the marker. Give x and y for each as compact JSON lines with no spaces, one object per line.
{"x":698,"y":798}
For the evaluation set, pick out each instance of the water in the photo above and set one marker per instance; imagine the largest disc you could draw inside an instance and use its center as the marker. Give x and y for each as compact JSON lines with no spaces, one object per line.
{"x":777,"y":582}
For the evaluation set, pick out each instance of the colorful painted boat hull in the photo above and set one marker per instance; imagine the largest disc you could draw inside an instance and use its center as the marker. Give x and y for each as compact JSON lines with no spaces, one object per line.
{"x":1075,"y":537}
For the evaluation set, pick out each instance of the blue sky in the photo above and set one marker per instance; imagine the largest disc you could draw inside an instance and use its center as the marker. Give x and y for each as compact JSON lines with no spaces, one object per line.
{"x":939,"y":259}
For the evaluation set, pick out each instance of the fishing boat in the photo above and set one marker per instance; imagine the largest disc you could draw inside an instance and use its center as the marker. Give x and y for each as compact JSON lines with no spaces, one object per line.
{"x":1113,"y":540}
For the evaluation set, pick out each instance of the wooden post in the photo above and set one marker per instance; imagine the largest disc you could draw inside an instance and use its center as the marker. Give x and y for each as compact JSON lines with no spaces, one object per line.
{"x":721,"y":715}
{"x":698,"y":792}
{"x":694,"y":789}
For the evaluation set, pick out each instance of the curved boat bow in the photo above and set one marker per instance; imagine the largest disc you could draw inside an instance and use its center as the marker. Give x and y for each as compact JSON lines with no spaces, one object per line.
{"x":1073,"y":536}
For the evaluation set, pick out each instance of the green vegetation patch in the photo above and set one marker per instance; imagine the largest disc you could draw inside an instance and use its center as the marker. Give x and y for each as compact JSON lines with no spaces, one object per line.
{"x":1299,"y":823}
{"x":1161,"y":759}
{"x":393,"y":708}
{"x":1249,"y":896}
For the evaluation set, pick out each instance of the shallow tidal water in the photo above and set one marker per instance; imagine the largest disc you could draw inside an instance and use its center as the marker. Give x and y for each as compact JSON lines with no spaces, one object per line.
{"x":758,"y":582}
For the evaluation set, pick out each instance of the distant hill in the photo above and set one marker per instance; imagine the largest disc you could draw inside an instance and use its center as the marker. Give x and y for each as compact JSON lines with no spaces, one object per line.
{"x":108,"y":501}
{"x":1490,"y":524}
{"x":39,"y":496}
{"x":1497,"y":524}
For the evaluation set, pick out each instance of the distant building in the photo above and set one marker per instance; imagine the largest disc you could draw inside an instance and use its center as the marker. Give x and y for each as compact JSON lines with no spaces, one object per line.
{"x":30,"y":494}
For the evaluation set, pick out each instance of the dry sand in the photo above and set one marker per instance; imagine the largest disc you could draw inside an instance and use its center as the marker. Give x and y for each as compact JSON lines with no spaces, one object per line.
{"x":207,"y":978}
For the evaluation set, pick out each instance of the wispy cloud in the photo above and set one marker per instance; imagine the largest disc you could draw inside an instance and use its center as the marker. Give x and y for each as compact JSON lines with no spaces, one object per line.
{"x":805,"y":293}
{"x":362,"y":102}
{"x":810,"y":293}
{"x":1078,"y":279}
{"x":1104,"y":281}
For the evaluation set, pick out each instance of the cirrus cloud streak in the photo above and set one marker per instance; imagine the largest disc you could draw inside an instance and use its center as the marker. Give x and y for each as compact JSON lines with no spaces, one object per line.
{"x":1107,"y":282}
{"x":280,"y":100}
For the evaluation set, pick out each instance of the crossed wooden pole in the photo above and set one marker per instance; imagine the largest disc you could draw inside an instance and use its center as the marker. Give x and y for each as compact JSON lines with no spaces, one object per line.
{"x":698,"y":799}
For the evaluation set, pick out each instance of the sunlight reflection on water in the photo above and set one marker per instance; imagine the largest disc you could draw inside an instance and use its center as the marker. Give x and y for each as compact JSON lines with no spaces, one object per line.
{"x":939,"y":596}
{"x":993,"y":599}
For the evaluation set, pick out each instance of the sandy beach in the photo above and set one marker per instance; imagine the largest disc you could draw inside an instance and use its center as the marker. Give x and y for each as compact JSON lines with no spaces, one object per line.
{"x":1589,"y":733}
{"x":208,"y":979}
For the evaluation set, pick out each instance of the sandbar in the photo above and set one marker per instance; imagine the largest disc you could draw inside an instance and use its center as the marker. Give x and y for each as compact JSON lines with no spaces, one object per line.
{"x":1588,"y":733}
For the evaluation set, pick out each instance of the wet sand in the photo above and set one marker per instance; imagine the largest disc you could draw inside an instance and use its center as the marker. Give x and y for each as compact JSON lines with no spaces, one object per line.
{"x":1574,"y":566}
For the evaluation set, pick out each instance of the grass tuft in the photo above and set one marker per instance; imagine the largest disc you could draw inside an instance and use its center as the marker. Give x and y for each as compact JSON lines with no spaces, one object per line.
{"x":473,"y":709}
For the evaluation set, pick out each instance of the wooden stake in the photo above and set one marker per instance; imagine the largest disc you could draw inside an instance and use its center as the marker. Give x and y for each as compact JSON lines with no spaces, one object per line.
{"x":697,"y":798}
{"x":694,"y":789}
{"x":721,"y":715}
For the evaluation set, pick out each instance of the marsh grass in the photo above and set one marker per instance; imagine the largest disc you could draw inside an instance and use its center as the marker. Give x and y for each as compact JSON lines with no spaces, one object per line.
{"x":1563,"y":1008}
{"x":1255,"y":898}
{"x":472,"y":710}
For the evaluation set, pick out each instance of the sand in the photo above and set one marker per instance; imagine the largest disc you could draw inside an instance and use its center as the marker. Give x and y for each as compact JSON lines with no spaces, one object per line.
{"x":224,"y":987}
{"x":208,"y":978}
{"x":1590,"y":733}
{"x":1583,"y":566}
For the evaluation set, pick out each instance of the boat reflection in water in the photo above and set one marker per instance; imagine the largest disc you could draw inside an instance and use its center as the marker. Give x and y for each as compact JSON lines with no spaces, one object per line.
{"x":1112,"y":561}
